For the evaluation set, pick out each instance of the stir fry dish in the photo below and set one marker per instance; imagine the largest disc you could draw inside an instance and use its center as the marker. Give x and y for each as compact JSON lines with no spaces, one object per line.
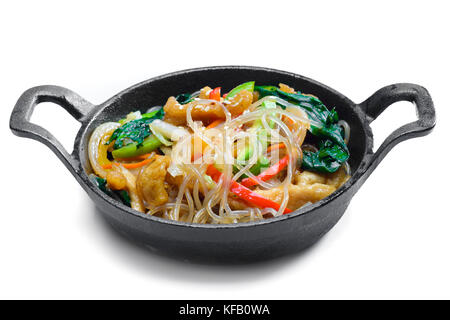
{"x":253,"y":153}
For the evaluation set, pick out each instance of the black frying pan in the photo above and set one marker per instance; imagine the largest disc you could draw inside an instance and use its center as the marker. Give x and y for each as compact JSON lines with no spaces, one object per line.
{"x":236,"y":242}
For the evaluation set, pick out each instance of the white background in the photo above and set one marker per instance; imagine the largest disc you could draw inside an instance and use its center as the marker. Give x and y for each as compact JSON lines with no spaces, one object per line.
{"x":393,"y":241}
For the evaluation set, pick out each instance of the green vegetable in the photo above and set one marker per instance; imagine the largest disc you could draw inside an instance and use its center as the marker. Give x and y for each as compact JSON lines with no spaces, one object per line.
{"x":265,"y":105}
{"x":167,"y":130}
{"x":247,"y":152}
{"x":184,"y":98}
{"x":150,"y":144}
{"x":135,"y":130}
{"x":263,"y":162}
{"x":209,"y":181}
{"x":334,"y":151}
{"x":249,"y":86}
{"x":119,"y":195}
{"x":157,"y":114}
{"x":328,"y":158}
{"x":258,"y":128}
{"x":125,"y":197}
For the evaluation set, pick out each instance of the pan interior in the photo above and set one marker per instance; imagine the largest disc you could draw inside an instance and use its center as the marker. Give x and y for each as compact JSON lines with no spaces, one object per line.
{"x":155,"y":92}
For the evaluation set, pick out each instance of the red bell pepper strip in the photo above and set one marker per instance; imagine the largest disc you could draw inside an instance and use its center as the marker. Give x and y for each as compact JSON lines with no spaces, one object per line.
{"x":245,"y":193}
{"x":215,"y":94}
{"x":268,"y":174}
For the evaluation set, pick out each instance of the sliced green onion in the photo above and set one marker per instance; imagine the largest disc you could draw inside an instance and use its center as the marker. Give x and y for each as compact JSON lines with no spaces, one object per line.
{"x":152,"y":113}
{"x":150,"y":144}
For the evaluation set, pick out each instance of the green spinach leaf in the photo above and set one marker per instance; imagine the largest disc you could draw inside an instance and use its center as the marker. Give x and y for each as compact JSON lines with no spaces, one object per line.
{"x":328,"y":158}
{"x":333,"y":151}
{"x":184,"y":98}
{"x":119,"y":195}
{"x":135,"y":130}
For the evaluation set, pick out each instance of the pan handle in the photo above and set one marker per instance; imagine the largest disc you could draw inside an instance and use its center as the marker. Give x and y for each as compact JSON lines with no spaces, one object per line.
{"x":20,"y":118}
{"x":385,"y":97}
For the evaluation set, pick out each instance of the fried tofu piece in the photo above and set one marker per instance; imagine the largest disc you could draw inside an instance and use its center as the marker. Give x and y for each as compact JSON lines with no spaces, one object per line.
{"x":204,"y":93}
{"x":206,"y":112}
{"x":299,"y":195}
{"x":175,"y":113}
{"x":239,"y":103}
{"x":115,"y":180}
{"x":286,"y":88}
{"x":151,"y":182}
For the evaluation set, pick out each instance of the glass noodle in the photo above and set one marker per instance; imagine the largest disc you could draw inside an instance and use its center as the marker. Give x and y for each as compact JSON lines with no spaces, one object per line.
{"x":195,"y":196}
{"x":220,"y":144}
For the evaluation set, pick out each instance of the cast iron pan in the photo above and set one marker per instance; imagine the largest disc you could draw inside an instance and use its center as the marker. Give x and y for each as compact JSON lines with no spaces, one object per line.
{"x":237,"y":242}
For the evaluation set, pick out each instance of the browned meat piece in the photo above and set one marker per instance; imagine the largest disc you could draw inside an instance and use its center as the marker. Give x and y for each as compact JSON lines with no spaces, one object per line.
{"x":204,"y":93}
{"x":178,"y":181}
{"x":286,"y":88}
{"x":206,"y":112}
{"x":255,"y":96}
{"x":115,"y":180}
{"x":175,"y":113}
{"x":299,"y":195}
{"x":308,"y":187}
{"x":239,"y":103}
{"x":338,"y":178}
{"x":308,"y":178}
{"x":151,"y":182}
{"x":237,"y":204}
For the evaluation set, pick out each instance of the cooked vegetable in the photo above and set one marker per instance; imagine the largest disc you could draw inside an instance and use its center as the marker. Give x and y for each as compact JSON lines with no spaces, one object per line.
{"x":130,"y":117}
{"x":119,"y":195}
{"x":267,"y":174}
{"x":215,"y":94}
{"x":325,"y":127}
{"x":136,"y":165}
{"x":155,"y":113}
{"x":184,"y":98}
{"x":248,"y":86}
{"x":132,"y":150}
{"x":245,"y":193}
{"x":136,"y":158}
{"x":328,"y":158}
{"x":276,"y":146}
{"x":98,"y":150}
{"x":168,"y":130}
{"x":157,"y":133}
{"x":214,"y":124}
{"x":262,"y":135}
{"x":263,"y":162}
{"x":265,"y":105}
{"x":134,"y":130}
